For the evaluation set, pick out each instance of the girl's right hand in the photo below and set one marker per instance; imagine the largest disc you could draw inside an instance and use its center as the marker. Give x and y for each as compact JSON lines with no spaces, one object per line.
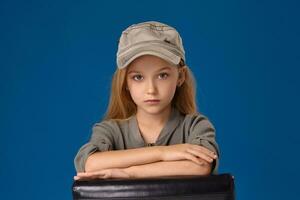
{"x":187,"y":152}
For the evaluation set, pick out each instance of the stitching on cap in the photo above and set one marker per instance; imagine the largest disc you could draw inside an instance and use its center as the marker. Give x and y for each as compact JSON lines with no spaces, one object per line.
{"x":151,"y":41}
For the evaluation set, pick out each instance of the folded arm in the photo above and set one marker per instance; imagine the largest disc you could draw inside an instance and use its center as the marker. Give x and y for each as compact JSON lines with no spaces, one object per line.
{"x":122,"y":158}
{"x":157,"y":169}
{"x":169,"y":168}
{"x":180,"y":159}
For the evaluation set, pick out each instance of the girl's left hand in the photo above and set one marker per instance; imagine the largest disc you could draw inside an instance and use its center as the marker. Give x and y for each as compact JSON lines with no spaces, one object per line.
{"x":102,"y":174}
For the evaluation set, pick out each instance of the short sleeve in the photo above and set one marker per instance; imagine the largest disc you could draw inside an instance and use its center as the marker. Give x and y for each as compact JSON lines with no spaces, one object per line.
{"x":202,"y":132}
{"x":101,"y":140}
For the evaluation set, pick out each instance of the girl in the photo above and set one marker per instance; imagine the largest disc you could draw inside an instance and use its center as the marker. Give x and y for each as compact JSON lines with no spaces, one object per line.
{"x":151,"y":127}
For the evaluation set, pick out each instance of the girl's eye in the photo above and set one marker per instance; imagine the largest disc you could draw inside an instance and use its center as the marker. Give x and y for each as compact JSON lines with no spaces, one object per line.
{"x":163,"y":75}
{"x":137,"y":77}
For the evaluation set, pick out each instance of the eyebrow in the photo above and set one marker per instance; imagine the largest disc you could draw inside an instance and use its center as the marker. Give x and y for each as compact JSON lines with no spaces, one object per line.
{"x":133,"y":71}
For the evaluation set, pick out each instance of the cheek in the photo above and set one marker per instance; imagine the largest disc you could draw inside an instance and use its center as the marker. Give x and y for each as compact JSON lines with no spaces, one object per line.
{"x":134,"y":90}
{"x":168,"y":89}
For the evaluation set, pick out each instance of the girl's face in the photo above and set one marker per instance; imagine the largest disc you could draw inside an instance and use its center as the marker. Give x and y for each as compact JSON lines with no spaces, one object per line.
{"x":152,"y":83}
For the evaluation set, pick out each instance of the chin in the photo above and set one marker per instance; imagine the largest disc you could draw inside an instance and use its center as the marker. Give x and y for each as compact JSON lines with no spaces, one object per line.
{"x":154,"y":110}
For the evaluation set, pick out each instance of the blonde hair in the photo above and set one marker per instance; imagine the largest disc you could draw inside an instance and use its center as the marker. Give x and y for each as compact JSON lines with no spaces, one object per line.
{"x":121,"y":105}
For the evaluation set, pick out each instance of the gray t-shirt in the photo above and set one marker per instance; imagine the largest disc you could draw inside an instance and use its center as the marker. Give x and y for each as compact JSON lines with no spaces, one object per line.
{"x":125,"y":134}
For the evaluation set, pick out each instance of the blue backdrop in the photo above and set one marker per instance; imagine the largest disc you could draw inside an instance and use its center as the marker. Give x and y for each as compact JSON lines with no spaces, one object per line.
{"x":57,"y":60}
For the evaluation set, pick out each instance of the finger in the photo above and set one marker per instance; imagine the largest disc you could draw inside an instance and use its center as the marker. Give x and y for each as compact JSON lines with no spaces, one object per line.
{"x":97,"y":174}
{"x":202,"y":148}
{"x":87,"y":177}
{"x":83,"y":175}
{"x":193,"y":158}
{"x":77,"y":178}
{"x":200,"y":154}
{"x":84,"y":178}
{"x":88,"y":174}
{"x":205,"y":150}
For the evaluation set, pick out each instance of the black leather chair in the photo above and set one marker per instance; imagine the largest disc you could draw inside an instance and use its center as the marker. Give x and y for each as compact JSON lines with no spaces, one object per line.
{"x":212,"y":187}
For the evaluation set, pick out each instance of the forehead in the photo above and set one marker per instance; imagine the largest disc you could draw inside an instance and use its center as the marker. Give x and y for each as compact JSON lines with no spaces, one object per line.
{"x":148,"y":63}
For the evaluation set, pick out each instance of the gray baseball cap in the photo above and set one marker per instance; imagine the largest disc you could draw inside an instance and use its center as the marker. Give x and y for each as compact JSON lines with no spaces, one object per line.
{"x":150,"y":38}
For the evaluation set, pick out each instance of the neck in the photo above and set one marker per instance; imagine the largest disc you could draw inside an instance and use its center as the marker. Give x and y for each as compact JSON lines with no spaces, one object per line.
{"x":153,"y":120}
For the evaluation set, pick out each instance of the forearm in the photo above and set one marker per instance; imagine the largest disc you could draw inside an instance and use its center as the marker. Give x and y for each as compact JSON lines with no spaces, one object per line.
{"x":122,"y":158}
{"x":168,"y":168}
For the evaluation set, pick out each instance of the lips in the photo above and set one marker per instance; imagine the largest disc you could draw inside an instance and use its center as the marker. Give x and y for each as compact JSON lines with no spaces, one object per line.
{"x":152,"y":100}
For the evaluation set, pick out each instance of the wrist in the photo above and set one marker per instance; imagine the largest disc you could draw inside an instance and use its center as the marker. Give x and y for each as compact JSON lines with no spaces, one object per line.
{"x":159,"y":150}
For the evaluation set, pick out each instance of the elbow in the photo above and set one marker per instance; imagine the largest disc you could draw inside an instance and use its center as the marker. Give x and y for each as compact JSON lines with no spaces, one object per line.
{"x":90,"y":165}
{"x":203,"y":170}
{"x":207,"y":171}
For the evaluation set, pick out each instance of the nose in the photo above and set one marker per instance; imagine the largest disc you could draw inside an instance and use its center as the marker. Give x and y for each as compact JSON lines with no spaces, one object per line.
{"x":151,"y":87}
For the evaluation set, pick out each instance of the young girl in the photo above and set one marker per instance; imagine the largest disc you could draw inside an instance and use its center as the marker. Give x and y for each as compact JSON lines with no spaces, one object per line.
{"x":152,"y":127}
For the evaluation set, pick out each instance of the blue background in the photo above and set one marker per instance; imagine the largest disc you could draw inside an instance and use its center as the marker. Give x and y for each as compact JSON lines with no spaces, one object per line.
{"x":58,"y":57}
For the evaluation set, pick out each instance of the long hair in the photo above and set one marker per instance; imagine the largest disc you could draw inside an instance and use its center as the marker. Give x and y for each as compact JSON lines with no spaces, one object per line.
{"x":121,"y":105}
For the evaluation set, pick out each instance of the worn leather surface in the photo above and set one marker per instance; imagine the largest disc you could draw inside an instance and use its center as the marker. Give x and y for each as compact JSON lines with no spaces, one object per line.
{"x":212,"y":187}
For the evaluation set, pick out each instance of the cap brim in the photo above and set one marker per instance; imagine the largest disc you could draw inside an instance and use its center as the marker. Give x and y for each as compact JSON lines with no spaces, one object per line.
{"x":148,"y":50}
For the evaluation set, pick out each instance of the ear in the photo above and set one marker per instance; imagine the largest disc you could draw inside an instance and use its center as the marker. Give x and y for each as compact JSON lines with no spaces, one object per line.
{"x":181,"y":76}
